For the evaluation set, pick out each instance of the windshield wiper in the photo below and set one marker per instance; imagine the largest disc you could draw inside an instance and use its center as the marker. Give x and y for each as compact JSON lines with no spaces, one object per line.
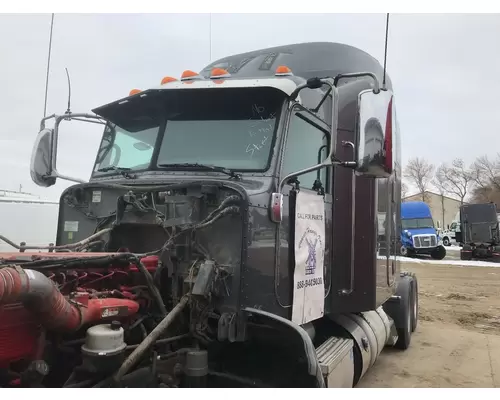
{"x":215,"y":168}
{"x":124,"y":171}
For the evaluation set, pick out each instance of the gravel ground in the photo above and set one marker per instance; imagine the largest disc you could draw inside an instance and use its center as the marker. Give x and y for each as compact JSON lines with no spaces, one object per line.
{"x":457,"y":342}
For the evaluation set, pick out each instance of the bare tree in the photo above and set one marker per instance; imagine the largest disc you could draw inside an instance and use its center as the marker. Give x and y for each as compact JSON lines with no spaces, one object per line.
{"x":440,"y":184}
{"x":456,"y":179}
{"x":420,"y":172}
{"x":486,"y":173}
{"x":404,"y":190}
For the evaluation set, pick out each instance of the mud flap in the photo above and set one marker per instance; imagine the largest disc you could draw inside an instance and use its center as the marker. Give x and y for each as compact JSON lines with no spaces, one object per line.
{"x":393,"y":307}
{"x":466,"y":253}
{"x":310,"y":356}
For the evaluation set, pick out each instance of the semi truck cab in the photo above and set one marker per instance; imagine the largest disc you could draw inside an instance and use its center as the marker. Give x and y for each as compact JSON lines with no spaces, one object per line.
{"x":238,"y":207}
{"x":418,"y":233}
{"x":479,"y":232}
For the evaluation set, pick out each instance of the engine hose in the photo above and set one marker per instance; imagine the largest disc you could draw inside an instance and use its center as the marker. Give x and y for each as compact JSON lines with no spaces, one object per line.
{"x":222,"y":205}
{"x":70,"y":246}
{"x":150,"y":340}
{"x":213,"y":217}
{"x":152,"y":288}
{"x":40,"y":296}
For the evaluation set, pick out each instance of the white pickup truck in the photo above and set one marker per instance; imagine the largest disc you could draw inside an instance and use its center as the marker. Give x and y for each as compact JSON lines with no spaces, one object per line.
{"x":448,"y":235}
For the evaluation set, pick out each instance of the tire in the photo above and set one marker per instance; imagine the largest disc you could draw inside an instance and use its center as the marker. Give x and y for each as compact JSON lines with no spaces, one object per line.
{"x":438,"y":253}
{"x":495,"y":257}
{"x":446,"y":241}
{"x":404,"y":251}
{"x":415,"y":305}
{"x":405,"y":312}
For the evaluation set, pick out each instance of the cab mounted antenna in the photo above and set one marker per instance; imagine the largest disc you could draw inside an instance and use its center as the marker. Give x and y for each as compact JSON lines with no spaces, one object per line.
{"x":385,"y":51}
{"x":48,"y":66}
{"x":68,"y":111}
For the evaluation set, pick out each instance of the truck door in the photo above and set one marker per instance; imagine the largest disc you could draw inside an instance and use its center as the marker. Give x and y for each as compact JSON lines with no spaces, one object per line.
{"x":306,"y":144}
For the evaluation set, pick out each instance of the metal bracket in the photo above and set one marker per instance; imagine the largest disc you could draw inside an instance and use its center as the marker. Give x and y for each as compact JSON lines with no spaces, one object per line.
{"x":232,"y":327}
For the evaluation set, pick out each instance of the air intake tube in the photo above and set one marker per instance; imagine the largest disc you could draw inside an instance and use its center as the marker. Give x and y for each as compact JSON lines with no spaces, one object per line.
{"x":40,"y":296}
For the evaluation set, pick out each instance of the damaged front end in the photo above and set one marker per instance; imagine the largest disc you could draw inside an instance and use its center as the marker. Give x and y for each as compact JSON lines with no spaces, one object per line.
{"x":156,"y":278}
{"x":125,"y":257}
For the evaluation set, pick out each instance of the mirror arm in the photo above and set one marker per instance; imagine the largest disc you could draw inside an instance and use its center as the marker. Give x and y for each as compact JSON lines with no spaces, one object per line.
{"x":58,"y":119}
{"x":42,"y":122}
{"x":318,"y":175}
{"x":376,"y":86}
{"x":100,"y":122}
{"x":316,"y":109}
{"x":315,"y":83}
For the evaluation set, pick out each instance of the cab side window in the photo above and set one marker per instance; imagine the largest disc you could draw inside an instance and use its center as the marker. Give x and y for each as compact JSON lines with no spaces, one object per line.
{"x":306,"y":145}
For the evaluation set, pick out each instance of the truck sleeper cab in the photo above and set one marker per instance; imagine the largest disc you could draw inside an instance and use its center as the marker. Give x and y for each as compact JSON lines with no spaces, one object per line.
{"x":258,"y":183}
{"x":479,"y":232}
{"x":418,"y":234}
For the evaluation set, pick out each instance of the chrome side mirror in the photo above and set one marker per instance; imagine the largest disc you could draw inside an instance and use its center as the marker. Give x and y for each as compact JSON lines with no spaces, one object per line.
{"x":41,"y":159}
{"x":375,"y":138}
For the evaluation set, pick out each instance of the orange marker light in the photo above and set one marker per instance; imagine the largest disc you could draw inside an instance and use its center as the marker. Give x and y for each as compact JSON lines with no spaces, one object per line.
{"x":218,"y":73}
{"x":188,"y":74}
{"x":167,"y":79}
{"x":134,"y":91}
{"x":283,"y":70}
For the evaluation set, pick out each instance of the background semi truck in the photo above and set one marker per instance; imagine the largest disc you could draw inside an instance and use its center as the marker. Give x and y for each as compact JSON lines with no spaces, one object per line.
{"x":479,"y":232}
{"x":227,"y":236}
{"x":418,"y":234}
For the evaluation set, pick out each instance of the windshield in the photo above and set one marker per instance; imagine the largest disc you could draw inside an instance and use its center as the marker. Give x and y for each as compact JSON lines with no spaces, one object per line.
{"x":123,"y":149}
{"x":216,"y":128}
{"x":233,"y":128}
{"x":416,"y":223}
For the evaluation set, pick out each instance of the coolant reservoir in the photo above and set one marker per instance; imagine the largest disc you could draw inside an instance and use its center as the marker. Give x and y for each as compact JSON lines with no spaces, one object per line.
{"x":104,"y":340}
{"x":104,"y":347}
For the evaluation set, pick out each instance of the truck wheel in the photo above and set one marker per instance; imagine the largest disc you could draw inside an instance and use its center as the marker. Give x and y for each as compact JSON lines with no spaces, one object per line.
{"x":404,"y":319}
{"x":438,"y":253}
{"x":414,"y":314}
{"x":446,"y":241}
{"x":404,"y":251}
{"x":495,"y":254}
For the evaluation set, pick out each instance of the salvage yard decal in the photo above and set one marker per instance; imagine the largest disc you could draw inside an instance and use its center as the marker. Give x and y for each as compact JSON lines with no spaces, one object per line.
{"x":309,"y":288}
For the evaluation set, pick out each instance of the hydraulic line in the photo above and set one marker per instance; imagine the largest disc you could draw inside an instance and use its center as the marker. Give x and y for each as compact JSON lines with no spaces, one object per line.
{"x":150,"y":340}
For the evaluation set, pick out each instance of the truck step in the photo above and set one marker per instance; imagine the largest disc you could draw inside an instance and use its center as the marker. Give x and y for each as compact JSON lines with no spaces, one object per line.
{"x":336,"y":360}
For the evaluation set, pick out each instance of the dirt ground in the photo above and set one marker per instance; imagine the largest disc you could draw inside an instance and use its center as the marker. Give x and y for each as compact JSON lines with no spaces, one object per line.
{"x":457,"y":341}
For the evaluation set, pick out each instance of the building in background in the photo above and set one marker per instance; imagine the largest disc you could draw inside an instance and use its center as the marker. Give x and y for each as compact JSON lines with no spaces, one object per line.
{"x":443,"y":208}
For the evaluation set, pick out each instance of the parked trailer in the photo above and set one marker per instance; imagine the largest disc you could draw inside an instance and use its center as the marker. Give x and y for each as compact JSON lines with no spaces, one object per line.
{"x":17,"y":214}
{"x":479,"y":232}
{"x":227,"y":236}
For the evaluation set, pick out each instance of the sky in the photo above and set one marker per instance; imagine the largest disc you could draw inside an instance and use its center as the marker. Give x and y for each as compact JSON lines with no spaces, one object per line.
{"x":443,"y":68}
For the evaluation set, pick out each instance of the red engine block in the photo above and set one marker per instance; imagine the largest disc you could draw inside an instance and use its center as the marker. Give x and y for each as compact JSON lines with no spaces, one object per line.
{"x":21,"y":336}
